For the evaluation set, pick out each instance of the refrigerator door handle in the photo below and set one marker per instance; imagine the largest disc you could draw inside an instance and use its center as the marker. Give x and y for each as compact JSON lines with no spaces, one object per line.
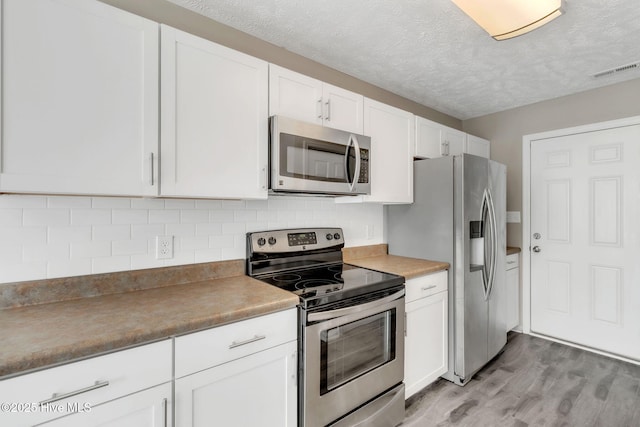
{"x":486,"y":269}
{"x":494,"y":242}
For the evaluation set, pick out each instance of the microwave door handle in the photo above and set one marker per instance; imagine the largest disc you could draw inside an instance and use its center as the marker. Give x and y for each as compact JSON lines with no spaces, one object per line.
{"x":356,"y":173}
{"x":346,"y":162}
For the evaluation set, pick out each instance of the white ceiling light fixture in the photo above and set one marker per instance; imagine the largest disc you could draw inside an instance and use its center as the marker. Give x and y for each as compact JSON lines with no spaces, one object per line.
{"x":504,"y":19}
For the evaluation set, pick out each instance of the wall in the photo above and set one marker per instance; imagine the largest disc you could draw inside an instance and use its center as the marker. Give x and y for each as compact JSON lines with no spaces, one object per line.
{"x":506,"y":129}
{"x":168,"y":13}
{"x":54,"y":236}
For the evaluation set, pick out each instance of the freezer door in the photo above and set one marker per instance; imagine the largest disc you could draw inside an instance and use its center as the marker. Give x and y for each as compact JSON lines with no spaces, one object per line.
{"x":470,"y":311}
{"x":497,"y":327}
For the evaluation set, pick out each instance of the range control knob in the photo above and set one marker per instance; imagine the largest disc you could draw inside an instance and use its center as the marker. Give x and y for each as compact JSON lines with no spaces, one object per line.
{"x":272,"y":240}
{"x":329,"y":236}
{"x":336,"y":236}
{"x":261,"y":241}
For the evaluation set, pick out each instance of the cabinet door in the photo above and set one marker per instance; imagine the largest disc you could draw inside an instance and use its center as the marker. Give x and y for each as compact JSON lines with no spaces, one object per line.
{"x":513,"y":291}
{"x":256,"y":390}
{"x":428,"y":139}
{"x":214,"y":120}
{"x":79,"y":99}
{"x":149,"y":408}
{"x":343,"y":109}
{"x":295,"y":95}
{"x":426,"y":342}
{"x":478,"y":146}
{"x":454,"y":141}
{"x":392,"y":133}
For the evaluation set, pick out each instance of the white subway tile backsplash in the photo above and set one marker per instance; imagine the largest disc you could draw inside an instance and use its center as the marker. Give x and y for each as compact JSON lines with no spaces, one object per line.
{"x":110,"y":264}
{"x":194,"y":216}
{"x":179,"y":204}
{"x":23,"y":235}
{"x":208,"y":229}
{"x":46,"y":217}
{"x":22,"y":202}
{"x":68,"y":202}
{"x":170,"y":216}
{"x":129,"y":247}
{"x":233,"y":228}
{"x":23,"y":271}
{"x":90,"y":216}
{"x":10,"y":217}
{"x":111,"y":232}
{"x":91,"y":249}
{"x":130,"y":216}
{"x":81,"y":233}
{"x":110,"y":203}
{"x":145,"y":203}
{"x":147,"y":231}
{"x":52,"y":252}
{"x":221,"y":216}
{"x":46,"y":237}
{"x":180,"y":230}
{"x":72,"y":267}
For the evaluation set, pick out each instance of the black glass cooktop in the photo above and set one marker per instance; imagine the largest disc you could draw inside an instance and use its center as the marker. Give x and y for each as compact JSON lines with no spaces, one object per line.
{"x":327,"y":284}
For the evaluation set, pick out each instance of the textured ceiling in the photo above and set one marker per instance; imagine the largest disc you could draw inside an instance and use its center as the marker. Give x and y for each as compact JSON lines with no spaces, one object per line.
{"x":429,"y":51}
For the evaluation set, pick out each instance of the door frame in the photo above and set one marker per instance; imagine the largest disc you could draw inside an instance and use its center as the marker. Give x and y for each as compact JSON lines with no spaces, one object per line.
{"x":525,"y":261}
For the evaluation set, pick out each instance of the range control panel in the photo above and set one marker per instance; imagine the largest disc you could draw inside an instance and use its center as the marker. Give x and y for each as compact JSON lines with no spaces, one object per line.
{"x":294,"y":240}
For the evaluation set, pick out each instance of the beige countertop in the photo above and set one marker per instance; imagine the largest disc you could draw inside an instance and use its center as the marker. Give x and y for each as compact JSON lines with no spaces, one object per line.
{"x":375,"y":257}
{"x":49,"y":333}
{"x":513,"y":250}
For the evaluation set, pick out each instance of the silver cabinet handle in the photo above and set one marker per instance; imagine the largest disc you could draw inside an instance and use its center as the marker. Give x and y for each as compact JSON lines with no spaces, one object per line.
{"x":428,"y":287}
{"x":165,"y":404}
{"x":245,"y":342}
{"x":55,"y":397}
{"x":328,"y":116}
{"x":152,"y":180}
{"x":264,"y":177}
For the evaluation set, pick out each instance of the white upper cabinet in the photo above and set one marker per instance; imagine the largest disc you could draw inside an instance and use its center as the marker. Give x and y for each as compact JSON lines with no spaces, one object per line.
{"x":436,"y":140}
{"x":79,"y":99}
{"x":301,"y":97}
{"x":214,"y":120}
{"x":392,"y":133}
{"x":478,"y":146}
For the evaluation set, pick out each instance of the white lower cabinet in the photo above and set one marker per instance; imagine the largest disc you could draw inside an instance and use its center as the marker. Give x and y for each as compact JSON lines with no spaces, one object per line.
{"x":426,"y":331}
{"x":513,"y":291}
{"x":114,"y":389}
{"x":241,"y":374}
{"x":148,"y":408}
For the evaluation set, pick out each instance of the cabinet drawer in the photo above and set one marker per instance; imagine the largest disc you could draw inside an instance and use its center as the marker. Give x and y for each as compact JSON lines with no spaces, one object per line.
{"x":202,"y":350}
{"x":423,"y":286}
{"x":513,"y":261}
{"x":87,"y":382}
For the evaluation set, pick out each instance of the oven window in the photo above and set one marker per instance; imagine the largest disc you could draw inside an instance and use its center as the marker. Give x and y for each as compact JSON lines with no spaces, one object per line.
{"x":353,"y":349}
{"x":308,"y":158}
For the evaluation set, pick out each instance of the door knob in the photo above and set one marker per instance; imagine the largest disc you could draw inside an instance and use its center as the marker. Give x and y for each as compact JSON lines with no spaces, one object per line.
{"x":536,"y":249}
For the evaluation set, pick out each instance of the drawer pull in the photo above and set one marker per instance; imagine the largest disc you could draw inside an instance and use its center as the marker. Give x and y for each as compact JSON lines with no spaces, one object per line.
{"x":55,"y":397}
{"x":249,"y":341}
{"x":429,"y":287}
{"x":511,"y":262}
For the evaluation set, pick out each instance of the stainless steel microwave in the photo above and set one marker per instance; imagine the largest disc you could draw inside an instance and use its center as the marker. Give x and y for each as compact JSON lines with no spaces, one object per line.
{"x":309,"y":158}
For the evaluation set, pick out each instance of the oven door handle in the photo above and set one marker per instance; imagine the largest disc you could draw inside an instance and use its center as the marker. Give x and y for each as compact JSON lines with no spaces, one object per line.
{"x":325,"y":315}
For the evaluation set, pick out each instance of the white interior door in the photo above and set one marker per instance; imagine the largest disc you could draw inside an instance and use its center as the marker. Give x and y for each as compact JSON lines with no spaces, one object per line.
{"x":585,"y":239}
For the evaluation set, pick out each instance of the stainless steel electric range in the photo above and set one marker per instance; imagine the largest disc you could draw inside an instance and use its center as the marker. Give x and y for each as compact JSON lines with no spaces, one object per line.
{"x":351,"y":327}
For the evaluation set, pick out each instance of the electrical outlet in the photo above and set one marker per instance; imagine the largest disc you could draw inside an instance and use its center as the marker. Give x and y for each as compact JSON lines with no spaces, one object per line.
{"x":164,"y":247}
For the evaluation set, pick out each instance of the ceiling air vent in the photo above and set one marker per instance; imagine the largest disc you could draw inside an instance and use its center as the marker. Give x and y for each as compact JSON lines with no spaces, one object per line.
{"x":628,"y":67}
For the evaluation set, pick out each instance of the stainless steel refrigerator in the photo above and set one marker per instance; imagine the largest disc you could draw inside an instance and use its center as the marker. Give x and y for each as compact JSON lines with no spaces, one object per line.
{"x":459,"y":216}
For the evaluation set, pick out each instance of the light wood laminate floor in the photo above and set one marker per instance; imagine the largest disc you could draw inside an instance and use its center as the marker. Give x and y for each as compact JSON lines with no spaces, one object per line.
{"x":535,"y":382}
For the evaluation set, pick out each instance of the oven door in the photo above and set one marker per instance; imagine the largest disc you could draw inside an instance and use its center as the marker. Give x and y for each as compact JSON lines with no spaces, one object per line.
{"x":351,"y":356}
{"x":306,"y":157}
